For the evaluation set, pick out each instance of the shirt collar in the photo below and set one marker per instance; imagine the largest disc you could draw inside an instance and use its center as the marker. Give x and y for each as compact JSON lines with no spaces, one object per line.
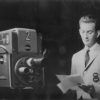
{"x":92,"y":48}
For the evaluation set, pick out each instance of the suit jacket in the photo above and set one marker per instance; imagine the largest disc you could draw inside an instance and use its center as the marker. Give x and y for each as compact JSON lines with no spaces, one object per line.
{"x":89,"y":73}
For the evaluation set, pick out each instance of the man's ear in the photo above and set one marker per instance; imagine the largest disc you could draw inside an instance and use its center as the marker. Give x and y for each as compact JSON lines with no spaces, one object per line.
{"x":98,"y":33}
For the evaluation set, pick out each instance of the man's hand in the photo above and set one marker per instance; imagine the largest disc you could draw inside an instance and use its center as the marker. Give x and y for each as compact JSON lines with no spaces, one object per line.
{"x":71,"y":95}
{"x":89,"y":89}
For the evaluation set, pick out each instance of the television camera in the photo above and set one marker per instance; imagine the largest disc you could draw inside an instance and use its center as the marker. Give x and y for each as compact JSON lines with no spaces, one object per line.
{"x":20,"y":59}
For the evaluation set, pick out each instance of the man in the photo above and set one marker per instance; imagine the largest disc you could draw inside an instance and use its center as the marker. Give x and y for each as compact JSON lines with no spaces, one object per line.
{"x":88,"y":66}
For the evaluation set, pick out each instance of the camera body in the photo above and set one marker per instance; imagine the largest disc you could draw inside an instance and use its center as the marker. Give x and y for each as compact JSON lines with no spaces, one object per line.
{"x":20,"y":59}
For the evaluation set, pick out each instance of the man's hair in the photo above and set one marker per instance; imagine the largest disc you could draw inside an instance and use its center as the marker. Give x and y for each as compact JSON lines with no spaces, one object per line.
{"x":89,"y":19}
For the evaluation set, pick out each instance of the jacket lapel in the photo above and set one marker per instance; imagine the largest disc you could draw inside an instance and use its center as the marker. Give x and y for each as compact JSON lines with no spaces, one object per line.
{"x":89,"y":64}
{"x":93,"y":56}
{"x":91,"y":59}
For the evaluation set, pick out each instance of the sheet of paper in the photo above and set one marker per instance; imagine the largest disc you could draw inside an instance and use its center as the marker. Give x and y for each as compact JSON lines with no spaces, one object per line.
{"x":70,"y":81}
{"x":61,"y":77}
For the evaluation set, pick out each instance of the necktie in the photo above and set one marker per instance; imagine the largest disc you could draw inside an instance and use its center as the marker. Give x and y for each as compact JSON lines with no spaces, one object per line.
{"x":87,"y":57}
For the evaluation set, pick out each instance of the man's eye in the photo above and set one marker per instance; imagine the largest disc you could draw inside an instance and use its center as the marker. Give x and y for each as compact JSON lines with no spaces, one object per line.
{"x":90,"y":32}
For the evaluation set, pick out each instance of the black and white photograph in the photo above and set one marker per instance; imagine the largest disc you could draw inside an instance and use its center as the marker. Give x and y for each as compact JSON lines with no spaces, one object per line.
{"x":49,"y":49}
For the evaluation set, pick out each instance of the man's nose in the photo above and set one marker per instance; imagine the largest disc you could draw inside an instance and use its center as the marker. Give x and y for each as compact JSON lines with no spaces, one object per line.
{"x":85,"y":35}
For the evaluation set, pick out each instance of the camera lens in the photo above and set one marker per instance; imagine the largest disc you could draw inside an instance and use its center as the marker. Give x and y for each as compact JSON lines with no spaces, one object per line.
{"x":25,"y":70}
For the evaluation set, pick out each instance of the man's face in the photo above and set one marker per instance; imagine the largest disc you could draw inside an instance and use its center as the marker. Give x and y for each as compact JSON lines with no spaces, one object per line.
{"x":88,"y":33}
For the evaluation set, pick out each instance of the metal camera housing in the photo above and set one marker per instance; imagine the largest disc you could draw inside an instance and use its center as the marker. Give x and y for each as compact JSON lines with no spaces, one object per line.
{"x":20,"y":51}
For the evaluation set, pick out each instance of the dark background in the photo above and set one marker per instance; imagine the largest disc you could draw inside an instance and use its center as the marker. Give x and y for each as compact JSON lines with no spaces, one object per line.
{"x":57,"y":20}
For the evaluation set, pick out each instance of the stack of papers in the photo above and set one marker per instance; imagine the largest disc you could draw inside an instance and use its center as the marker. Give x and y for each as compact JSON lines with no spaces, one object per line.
{"x":69,"y":81}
